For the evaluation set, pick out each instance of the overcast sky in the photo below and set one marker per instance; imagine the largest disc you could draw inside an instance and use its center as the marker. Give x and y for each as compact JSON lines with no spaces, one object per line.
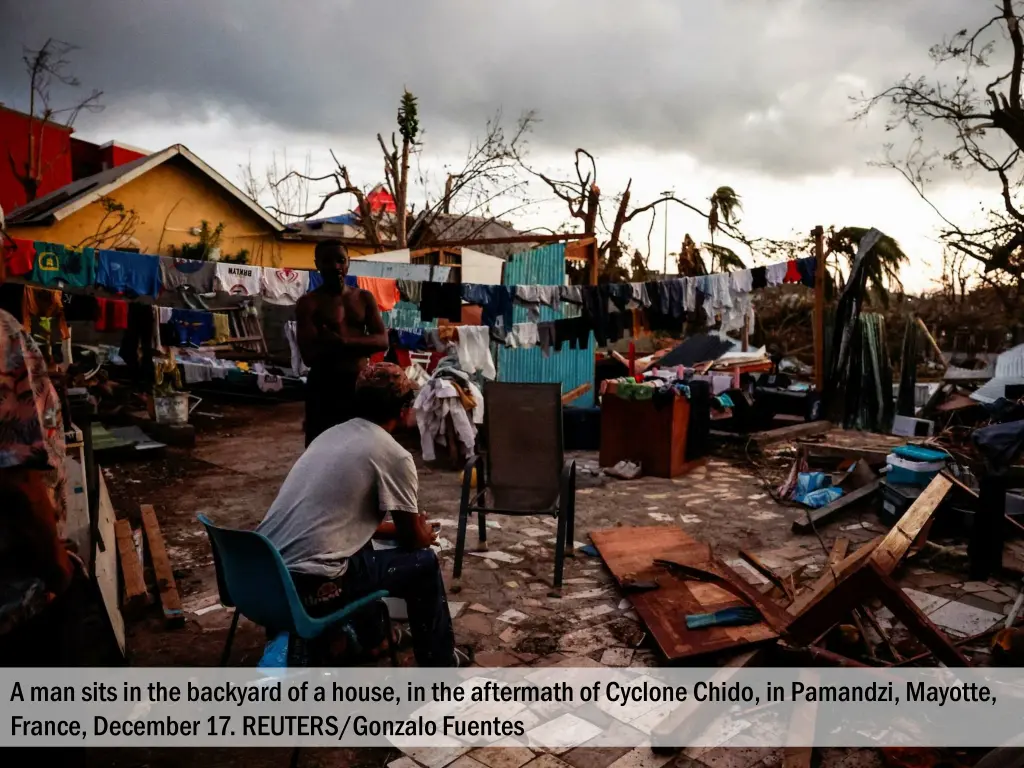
{"x":676,"y":95}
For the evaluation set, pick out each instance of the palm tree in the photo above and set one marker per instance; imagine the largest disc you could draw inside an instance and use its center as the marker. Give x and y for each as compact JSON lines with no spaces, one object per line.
{"x":882,"y":262}
{"x":725,"y":207}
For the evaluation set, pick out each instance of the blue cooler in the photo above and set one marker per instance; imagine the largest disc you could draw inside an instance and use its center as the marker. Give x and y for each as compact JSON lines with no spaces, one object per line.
{"x":913,"y":465}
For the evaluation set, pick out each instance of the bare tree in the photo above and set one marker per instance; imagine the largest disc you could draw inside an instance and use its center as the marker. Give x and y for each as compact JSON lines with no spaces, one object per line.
{"x":980,"y":110}
{"x":46,"y":67}
{"x":291,"y":194}
{"x":486,"y":178}
{"x":583,"y":198}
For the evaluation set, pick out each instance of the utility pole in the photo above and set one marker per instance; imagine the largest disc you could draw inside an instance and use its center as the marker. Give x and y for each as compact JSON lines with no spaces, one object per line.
{"x":666,"y":193}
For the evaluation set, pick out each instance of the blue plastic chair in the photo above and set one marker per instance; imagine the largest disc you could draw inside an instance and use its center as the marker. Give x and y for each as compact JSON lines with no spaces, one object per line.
{"x":252,"y":577}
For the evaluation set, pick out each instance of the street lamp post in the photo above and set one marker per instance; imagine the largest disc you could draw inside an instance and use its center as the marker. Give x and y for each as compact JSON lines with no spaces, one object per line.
{"x":666,"y":193}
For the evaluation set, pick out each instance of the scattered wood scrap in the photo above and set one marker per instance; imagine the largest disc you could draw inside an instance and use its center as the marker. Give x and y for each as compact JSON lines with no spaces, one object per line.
{"x":902,"y":535}
{"x":823,"y":515}
{"x":630,"y":553}
{"x":169,"y":599}
{"x":135,"y":592}
{"x":768,"y":573}
{"x":572,"y":394}
{"x":782,"y":434}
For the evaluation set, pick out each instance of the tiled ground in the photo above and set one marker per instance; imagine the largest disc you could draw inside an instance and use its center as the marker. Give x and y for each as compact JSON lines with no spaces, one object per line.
{"x":504,"y":609}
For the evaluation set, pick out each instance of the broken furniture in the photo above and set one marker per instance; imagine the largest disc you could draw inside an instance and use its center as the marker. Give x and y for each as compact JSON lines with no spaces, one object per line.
{"x":666,"y":439}
{"x":867,"y":573}
{"x":523,"y":469}
{"x":630,"y":554}
{"x":252,"y":576}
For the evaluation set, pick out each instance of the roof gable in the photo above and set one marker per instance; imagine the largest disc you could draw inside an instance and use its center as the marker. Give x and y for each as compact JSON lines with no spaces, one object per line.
{"x":72,"y":197}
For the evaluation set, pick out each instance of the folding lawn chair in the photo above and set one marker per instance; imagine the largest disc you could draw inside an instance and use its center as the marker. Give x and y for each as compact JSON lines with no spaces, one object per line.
{"x":523,"y":469}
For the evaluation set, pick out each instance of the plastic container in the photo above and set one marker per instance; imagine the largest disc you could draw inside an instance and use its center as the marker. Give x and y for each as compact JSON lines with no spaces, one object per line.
{"x":172,"y":409}
{"x":906,"y":472}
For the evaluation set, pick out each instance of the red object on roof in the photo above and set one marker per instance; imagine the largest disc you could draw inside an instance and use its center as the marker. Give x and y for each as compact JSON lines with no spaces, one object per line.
{"x":380,"y":200}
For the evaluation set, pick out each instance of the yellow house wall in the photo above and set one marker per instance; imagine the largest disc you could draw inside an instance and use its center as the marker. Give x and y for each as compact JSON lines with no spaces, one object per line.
{"x":170,"y":200}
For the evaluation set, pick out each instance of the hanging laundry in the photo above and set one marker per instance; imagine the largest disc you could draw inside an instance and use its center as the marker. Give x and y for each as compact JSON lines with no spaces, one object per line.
{"x":432,"y":338}
{"x":571,"y":293}
{"x":177,"y":273}
{"x":111,"y":315}
{"x":639,"y":293}
{"x":497,"y":304}
{"x":741,"y":281}
{"x":441,"y":398}
{"x":549,"y":295}
{"x":299,"y":368}
{"x":45,"y":305}
{"x":238,"y":279}
{"x":595,"y":312}
{"x":194,"y":327}
{"x":546,"y":337}
{"x":133,"y":274}
{"x":18,"y":258}
{"x":776,"y":273}
{"x":412,"y":340}
{"x":221,"y":327}
{"x":315,"y":280}
{"x":411,"y":290}
{"x":384,"y":290}
{"x":792,"y":272}
{"x":574,"y":332}
{"x":758,"y":278}
{"x":807,"y":267}
{"x":63,"y":265}
{"x":441,"y":300}
{"x":80,"y":308}
{"x":523,"y":335}
{"x":284,"y":286}
{"x":475,"y":351}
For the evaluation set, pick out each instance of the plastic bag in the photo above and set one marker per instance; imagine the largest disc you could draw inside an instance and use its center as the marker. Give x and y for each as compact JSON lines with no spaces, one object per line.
{"x":821,"y":497}
{"x":275,"y":652}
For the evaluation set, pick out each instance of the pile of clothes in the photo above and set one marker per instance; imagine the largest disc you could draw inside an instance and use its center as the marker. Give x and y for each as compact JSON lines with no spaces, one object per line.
{"x":450,"y":392}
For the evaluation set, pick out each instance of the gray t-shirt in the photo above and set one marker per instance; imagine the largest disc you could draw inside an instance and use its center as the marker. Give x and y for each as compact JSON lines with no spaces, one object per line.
{"x":337,"y":494}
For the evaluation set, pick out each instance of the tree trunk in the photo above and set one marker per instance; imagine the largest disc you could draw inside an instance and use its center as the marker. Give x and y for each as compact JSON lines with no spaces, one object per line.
{"x":400,"y":198}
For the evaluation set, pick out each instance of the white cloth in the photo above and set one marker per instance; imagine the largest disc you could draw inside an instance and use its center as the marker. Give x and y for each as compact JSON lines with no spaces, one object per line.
{"x":291,"y":335}
{"x":689,"y":294}
{"x":433,"y":405}
{"x":742,"y":281}
{"x":776,"y":273}
{"x":475,"y":350}
{"x":742,"y":309}
{"x":478,"y":396}
{"x":284,"y":286}
{"x":238,"y":279}
{"x":523,"y":335}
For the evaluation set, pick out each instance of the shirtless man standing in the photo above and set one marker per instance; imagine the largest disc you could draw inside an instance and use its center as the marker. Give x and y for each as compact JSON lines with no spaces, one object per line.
{"x":339,"y":327}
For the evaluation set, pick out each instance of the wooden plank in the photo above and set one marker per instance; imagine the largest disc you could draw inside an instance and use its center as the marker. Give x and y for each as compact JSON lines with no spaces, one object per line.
{"x":828,"y":580}
{"x":169,"y":598}
{"x":135,"y":592}
{"x":840,"y":547}
{"x":765,"y":571}
{"x":913,"y":618}
{"x":791,"y":433}
{"x":824,"y":514}
{"x":572,"y":394}
{"x":895,"y":545}
{"x":105,"y":561}
{"x":874,"y":456}
{"x":629,"y":554}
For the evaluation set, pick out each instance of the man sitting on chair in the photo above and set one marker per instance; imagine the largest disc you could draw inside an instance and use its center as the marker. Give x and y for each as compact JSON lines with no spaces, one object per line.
{"x":333,"y":502}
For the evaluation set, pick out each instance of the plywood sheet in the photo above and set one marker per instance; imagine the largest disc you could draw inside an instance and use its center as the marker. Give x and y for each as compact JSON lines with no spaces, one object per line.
{"x":106,"y":564}
{"x":629,"y":554}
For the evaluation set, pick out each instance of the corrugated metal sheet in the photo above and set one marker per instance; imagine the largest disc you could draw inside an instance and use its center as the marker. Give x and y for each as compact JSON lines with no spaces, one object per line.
{"x":570,"y":367}
{"x":405,"y":315}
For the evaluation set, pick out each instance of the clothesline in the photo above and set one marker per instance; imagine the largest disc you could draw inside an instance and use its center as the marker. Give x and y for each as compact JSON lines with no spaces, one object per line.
{"x":52,"y":265}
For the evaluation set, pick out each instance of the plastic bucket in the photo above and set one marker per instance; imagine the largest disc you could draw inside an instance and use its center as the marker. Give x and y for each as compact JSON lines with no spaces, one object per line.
{"x":172,"y":409}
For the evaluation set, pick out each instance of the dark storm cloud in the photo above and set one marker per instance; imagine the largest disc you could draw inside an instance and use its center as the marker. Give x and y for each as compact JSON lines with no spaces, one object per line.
{"x":757,"y":84}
